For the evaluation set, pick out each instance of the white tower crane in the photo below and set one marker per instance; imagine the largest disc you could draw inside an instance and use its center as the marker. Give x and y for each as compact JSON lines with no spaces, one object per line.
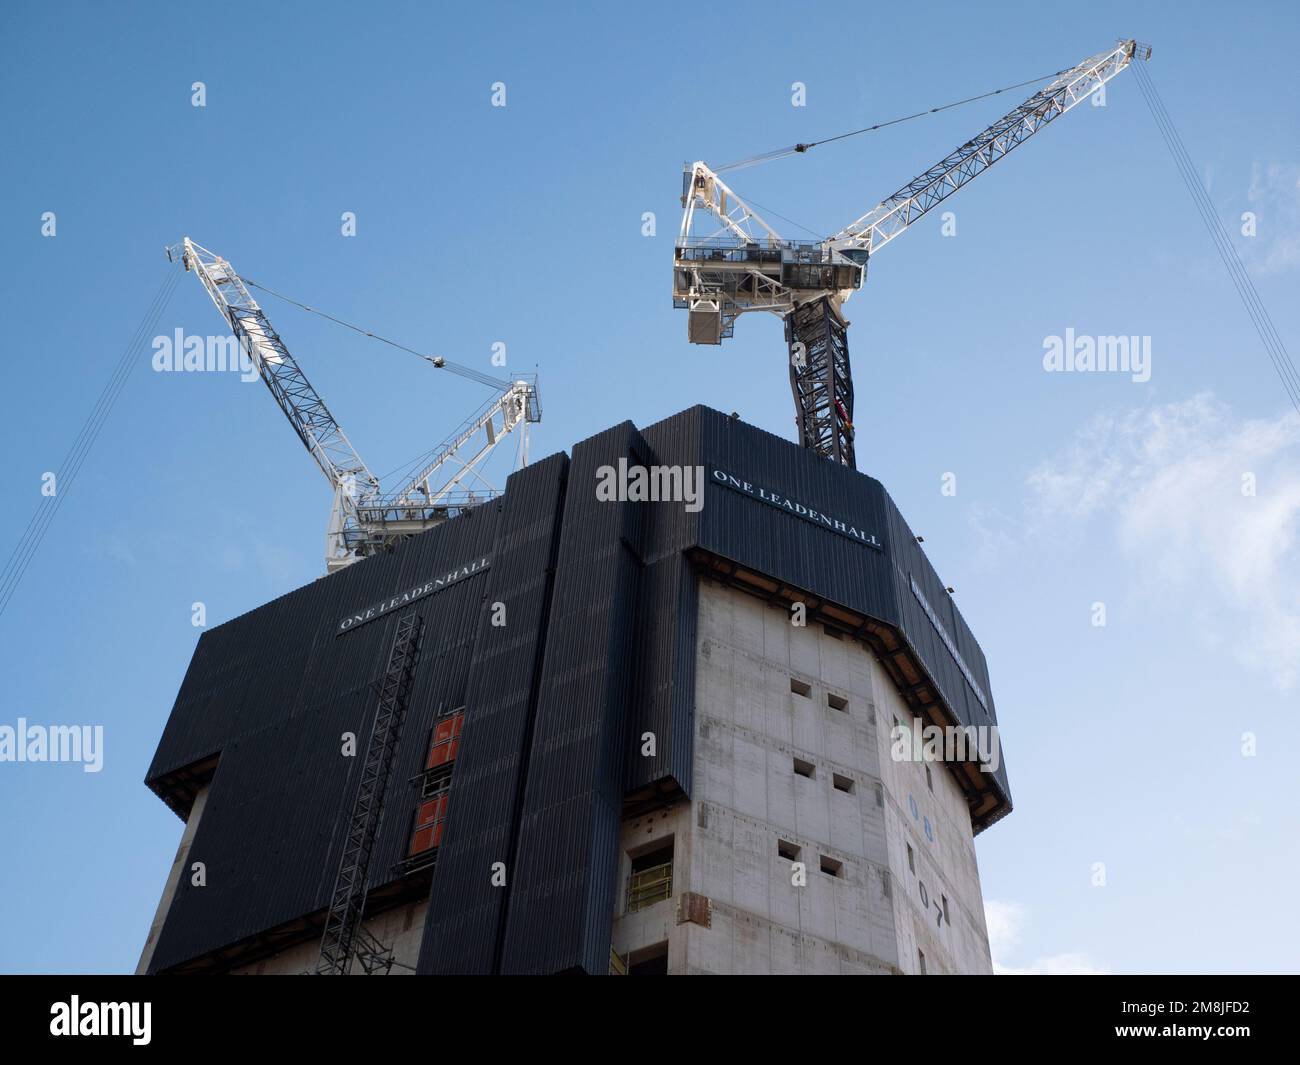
{"x":745,"y":265}
{"x":364,"y":519}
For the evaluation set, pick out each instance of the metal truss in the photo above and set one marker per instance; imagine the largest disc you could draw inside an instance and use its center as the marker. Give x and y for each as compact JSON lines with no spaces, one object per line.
{"x":348,"y":901}
{"x":474,"y":439}
{"x":894,"y":214}
{"x":440,"y":488}
{"x":702,"y":188}
{"x":820,"y":380}
{"x":279,"y":371}
{"x":373,"y":956}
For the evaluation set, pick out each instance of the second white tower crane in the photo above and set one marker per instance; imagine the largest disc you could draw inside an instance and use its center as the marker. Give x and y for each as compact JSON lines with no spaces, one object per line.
{"x":364,"y":519}
{"x":745,"y":265}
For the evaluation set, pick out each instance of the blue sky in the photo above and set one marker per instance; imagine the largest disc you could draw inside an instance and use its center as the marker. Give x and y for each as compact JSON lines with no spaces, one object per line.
{"x":523,"y":225}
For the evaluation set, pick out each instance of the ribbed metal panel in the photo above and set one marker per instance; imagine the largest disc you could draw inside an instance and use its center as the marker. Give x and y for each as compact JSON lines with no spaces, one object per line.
{"x":919,"y":632}
{"x":567,"y":866}
{"x":257,"y":831}
{"x":461,"y":933}
{"x":663,"y":695}
{"x":801,"y":553}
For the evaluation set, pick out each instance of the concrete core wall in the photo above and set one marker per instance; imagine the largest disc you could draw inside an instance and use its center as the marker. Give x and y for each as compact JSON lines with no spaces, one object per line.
{"x":792,"y":764}
{"x":178,"y":869}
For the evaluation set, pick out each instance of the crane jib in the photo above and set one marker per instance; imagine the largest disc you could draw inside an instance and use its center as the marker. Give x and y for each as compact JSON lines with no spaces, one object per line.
{"x":363,"y":521}
{"x":745,"y":265}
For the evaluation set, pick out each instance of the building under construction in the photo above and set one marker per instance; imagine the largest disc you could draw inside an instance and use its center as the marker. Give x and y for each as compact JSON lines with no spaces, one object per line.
{"x":564,"y":733}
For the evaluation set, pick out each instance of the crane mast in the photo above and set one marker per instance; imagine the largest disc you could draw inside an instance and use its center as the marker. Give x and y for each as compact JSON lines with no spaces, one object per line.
{"x":745,"y":265}
{"x":363,"y":518}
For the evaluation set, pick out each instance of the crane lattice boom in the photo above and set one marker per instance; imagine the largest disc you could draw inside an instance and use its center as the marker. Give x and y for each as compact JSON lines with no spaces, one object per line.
{"x":364,"y":519}
{"x":745,"y":265}
{"x":893,"y":215}
{"x":311,"y":420}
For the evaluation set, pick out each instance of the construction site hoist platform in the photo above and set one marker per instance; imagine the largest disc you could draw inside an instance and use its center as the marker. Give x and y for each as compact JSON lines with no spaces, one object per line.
{"x":364,"y":519}
{"x":745,"y":265}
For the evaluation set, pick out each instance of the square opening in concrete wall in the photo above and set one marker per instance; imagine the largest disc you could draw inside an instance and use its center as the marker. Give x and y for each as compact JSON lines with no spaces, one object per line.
{"x":787,"y":850}
{"x":837,"y":702}
{"x":800,"y":688}
{"x":804,"y":769}
{"x":652,"y":961}
{"x":650,"y":878}
{"x":831,"y":866}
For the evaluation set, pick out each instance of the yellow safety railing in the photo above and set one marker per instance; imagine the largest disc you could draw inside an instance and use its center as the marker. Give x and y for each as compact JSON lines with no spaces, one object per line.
{"x":650,"y":886}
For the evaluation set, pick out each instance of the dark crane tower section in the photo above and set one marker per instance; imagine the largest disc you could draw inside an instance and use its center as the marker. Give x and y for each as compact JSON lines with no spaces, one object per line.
{"x":517,"y":850}
{"x":821,"y":380}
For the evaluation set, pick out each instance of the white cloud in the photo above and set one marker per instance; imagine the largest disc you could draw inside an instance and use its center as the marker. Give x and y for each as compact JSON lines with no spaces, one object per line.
{"x":1274,"y":196}
{"x":1170,"y":480}
{"x":1006,"y":922}
{"x":1057,"y":965}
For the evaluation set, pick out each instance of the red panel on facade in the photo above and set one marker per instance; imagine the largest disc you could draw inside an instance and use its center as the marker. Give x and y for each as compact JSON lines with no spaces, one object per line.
{"x":423,"y":839}
{"x":446,"y":741}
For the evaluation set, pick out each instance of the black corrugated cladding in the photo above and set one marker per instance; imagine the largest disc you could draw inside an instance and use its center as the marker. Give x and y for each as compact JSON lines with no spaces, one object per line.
{"x":273,"y":692}
{"x":910,"y":562}
{"x":598,"y":649}
{"x":736,"y":525}
{"x":663,"y":701}
{"x":461,"y":932}
{"x":567,"y":868}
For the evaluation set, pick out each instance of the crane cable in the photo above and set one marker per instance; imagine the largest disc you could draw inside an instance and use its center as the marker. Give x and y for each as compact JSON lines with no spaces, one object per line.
{"x":436,"y":360}
{"x":800,"y":148}
{"x":46,"y":510}
{"x":1259,"y":315}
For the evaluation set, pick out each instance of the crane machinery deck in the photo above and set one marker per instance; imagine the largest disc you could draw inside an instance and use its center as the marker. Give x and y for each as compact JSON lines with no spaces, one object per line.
{"x":364,"y":519}
{"x":745,"y":265}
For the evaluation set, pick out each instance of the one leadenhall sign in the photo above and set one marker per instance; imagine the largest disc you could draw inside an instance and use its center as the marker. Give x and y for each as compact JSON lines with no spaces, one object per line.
{"x":792,"y":506}
{"x":400,"y":600}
